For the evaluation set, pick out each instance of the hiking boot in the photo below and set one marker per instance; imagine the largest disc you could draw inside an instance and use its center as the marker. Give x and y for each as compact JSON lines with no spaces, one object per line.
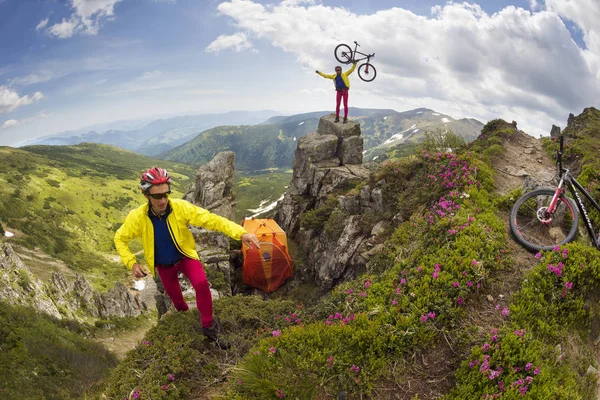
{"x":211,"y":334}
{"x":345,"y":120}
{"x":337,"y":119}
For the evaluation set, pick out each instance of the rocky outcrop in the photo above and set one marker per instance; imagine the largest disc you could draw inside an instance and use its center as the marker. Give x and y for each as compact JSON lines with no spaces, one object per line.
{"x":327,"y":164}
{"x":19,"y":286}
{"x":213,"y":188}
{"x":60,"y":297}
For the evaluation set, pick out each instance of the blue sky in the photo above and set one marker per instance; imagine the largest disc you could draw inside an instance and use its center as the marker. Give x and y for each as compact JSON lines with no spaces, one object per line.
{"x":66,"y":64}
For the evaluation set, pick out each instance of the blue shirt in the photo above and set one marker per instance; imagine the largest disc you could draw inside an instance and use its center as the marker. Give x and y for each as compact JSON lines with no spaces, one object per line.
{"x":165,"y":251}
{"x":339,"y":82}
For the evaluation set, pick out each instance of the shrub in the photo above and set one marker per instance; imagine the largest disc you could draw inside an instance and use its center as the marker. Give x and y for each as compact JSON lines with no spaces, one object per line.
{"x":315,"y":219}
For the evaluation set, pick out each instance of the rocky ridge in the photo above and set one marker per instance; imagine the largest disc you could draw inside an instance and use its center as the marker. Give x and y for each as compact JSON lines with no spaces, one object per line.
{"x":61,"y":297}
{"x":327,"y":162}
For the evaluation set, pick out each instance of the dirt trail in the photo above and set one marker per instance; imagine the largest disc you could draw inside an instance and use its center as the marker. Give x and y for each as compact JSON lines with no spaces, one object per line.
{"x":523,"y":157}
{"x":120,"y":343}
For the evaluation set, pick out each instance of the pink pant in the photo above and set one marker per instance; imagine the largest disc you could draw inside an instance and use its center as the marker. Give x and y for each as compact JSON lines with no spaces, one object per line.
{"x":341,"y":94}
{"x":195,"y":273}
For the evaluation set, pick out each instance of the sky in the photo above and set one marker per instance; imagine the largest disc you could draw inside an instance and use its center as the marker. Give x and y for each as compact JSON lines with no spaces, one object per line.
{"x":67,"y":64}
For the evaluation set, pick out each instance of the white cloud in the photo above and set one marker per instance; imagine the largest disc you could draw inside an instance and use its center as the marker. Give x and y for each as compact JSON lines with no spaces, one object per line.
{"x":30,"y":79}
{"x":512,"y":64}
{"x":237,"y":42}
{"x":10,"y":100}
{"x":87,"y":18}
{"x":10,"y":123}
{"x":65,"y":29}
{"x":42,"y":24}
{"x":150,"y":75}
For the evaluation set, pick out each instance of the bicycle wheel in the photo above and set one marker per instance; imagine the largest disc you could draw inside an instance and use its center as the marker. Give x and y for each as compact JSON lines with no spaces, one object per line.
{"x":343,"y":53}
{"x":365,"y":74}
{"x":535,"y":229}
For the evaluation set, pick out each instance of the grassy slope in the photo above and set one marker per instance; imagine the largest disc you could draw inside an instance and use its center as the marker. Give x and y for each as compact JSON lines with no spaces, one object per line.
{"x":41,"y":358}
{"x":367,"y":334}
{"x":266,"y":187}
{"x":69,"y":200}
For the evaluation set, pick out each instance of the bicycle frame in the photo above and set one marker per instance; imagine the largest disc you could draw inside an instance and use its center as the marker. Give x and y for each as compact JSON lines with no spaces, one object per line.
{"x":568,"y":180}
{"x":366,"y":56}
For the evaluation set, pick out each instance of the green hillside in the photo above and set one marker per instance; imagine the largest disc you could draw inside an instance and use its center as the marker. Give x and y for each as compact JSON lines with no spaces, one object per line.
{"x":256,"y":147}
{"x":69,"y":200}
{"x":41,"y":358}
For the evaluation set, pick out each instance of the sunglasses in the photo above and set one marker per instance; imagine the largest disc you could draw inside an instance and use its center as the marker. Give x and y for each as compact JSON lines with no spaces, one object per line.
{"x":159,"y":196}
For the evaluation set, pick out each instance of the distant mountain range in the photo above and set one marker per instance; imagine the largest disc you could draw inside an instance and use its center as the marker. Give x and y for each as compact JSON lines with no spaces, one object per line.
{"x":153,"y":137}
{"x":265,"y":140}
{"x":272,"y":143}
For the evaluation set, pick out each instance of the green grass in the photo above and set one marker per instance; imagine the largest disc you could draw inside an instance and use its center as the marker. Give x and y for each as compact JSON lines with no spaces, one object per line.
{"x":251,"y":190}
{"x":42,"y":358}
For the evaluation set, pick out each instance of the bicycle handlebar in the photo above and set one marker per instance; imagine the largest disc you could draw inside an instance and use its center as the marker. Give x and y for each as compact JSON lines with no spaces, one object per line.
{"x":356,"y":43}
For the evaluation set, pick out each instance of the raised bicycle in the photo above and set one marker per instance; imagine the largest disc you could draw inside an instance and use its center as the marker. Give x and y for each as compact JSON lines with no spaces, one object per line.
{"x":344,"y":54}
{"x":544,"y":218}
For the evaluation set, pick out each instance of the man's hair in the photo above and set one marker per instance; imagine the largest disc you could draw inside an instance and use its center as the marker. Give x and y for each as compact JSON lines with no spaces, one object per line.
{"x":338,"y":67}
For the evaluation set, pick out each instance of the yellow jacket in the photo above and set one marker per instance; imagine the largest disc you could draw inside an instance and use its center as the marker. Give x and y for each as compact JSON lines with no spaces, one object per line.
{"x":344,"y":76}
{"x":138,"y":224}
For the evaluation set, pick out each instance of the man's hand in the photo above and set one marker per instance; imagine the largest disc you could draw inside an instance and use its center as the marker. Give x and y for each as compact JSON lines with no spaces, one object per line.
{"x":250,"y":240}
{"x":138,"y":271}
{"x":317,"y":71}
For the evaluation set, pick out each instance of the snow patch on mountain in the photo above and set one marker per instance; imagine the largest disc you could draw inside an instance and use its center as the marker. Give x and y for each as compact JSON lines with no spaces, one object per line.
{"x":400,"y":135}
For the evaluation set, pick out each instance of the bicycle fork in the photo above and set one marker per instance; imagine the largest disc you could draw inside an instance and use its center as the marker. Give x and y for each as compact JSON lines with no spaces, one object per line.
{"x":545,"y":215}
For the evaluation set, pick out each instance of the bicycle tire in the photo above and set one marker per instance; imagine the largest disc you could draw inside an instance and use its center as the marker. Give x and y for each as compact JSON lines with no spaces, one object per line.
{"x":367,"y":76}
{"x":533,"y":234}
{"x":343,"y":53}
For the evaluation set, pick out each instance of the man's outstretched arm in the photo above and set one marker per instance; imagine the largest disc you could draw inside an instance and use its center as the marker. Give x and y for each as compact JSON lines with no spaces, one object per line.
{"x":328,"y":76}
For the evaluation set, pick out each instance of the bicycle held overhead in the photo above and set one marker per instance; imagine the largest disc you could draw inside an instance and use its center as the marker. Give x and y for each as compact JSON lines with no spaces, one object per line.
{"x":544,"y":218}
{"x":345,"y":55}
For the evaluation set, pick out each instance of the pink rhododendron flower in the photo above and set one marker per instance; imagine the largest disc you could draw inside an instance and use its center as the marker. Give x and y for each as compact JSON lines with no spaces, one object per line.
{"x":171,"y":377}
{"x":272,"y":350}
{"x":423,"y":318}
{"x":569,"y":285}
{"x":276,"y":333}
{"x":330,"y":361}
{"x":505,"y":311}
{"x":460,"y":301}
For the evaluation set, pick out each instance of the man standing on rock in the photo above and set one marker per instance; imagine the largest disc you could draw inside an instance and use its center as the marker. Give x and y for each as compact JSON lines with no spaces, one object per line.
{"x":342,"y":85}
{"x":169,"y":246}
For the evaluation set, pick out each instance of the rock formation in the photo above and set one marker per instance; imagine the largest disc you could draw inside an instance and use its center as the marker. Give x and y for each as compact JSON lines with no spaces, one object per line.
{"x":327,"y":164}
{"x":61,"y":297}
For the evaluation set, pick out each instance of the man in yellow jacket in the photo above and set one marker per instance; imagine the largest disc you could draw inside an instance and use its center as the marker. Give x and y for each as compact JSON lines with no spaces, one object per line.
{"x":169,"y":246}
{"x":342,"y":86}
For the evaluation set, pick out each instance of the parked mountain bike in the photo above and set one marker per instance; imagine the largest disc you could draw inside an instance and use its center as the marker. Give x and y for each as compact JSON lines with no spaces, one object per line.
{"x":344,"y":54}
{"x":544,"y":218}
